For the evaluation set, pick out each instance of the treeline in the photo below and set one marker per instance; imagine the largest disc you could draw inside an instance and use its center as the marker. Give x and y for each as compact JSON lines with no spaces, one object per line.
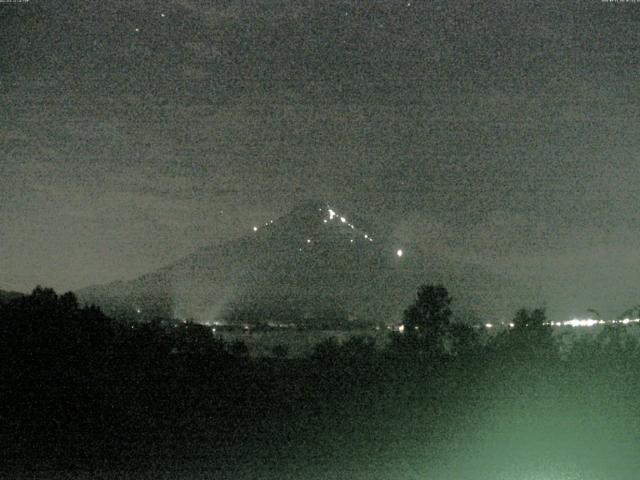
{"x":78,"y":386}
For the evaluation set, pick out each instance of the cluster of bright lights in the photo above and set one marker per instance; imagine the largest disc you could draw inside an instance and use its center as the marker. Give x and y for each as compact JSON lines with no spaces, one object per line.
{"x":266,"y":224}
{"x":332,"y":215}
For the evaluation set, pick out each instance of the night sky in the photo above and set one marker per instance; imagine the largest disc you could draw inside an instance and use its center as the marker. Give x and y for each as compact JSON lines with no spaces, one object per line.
{"x":500,"y":134}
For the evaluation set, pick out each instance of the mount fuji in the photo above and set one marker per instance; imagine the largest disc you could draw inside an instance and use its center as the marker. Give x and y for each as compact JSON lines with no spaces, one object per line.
{"x":315,"y":266}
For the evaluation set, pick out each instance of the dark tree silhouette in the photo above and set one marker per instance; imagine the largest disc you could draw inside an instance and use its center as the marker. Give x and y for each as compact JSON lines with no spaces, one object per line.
{"x":463,"y":340}
{"x":428,"y":318}
{"x":530,"y":338}
{"x":430,"y":313}
{"x":426,"y":323}
{"x":533,"y":319}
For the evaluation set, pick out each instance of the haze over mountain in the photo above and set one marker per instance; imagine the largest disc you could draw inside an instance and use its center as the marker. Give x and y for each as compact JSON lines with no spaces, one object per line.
{"x":315,"y":265}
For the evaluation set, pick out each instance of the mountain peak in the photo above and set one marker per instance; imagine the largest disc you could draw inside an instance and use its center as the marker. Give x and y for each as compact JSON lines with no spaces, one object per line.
{"x":316,"y":212}
{"x":310,"y":204}
{"x":308,"y":210}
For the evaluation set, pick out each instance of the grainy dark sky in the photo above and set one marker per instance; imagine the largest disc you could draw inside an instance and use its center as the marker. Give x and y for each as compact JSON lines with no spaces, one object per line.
{"x":502,"y":134}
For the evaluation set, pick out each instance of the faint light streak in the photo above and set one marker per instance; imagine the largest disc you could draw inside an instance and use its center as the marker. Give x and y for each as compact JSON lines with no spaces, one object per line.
{"x":488,"y":325}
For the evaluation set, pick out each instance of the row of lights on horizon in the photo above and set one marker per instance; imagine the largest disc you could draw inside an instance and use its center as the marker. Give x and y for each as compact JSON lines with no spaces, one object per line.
{"x":576,"y":322}
{"x":567,"y":323}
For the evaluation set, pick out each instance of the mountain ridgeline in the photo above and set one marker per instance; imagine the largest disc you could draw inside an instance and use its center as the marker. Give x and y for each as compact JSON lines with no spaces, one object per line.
{"x":314,"y":266}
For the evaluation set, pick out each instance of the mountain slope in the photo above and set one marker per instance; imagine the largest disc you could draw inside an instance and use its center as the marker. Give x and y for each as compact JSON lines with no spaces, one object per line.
{"x":312,"y":265}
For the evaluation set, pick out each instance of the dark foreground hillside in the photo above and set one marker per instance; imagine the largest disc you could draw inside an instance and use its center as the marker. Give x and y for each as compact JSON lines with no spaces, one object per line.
{"x":84,"y":396}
